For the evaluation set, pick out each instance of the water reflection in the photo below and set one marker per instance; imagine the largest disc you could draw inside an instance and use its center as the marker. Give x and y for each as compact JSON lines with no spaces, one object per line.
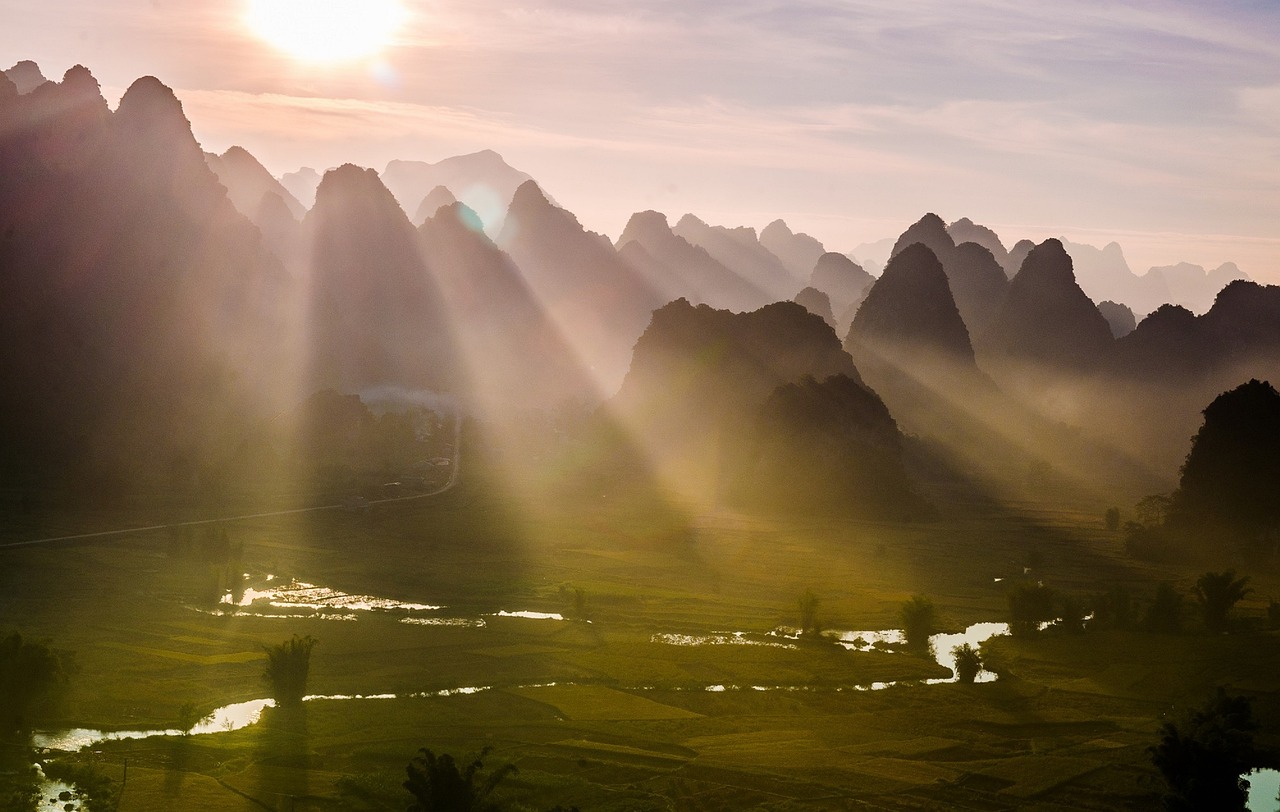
{"x":1264,"y":786}
{"x":715,"y":639}
{"x":226,"y":718}
{"x":301,"y":595}
{"x":532,"y":615}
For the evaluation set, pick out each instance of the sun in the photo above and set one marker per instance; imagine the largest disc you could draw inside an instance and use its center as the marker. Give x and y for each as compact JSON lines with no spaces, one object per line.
{"x":326,"y":30}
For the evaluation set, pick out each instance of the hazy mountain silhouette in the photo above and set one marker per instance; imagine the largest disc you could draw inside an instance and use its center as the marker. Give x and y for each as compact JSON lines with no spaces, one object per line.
{"x":600,"y":303}
{"x":929,"y":231}
{"x":376,"y":316}
{"x":516,"y":358}
{"x":965,"y":230}
{"x":482,"y":180}
{"x":248,"y":181}
{"x":1175,"y":361}
{"x":687,"y":270}
{"x":976,"y":279}
{"x":435,"y":200}
{"x":302,"y":185}
{"x":797,"y":252}
{"x":739,"y":250}
{"x":1018,"y":255}
{"x":978,"y":283}
{"x":138,"y":322}
{"x":1105,"y":274}
{"x":696,"y":393}
{"x":1119,"y":317}
{"x":829,"y":446}
{"x":845,"y":283}
{"x":1046,"y":319}
{"x":873,"y":256}
{"x":817,"y":303}
{"x":1238,"y":335}
{"x":1188,"y":285}
{"x":909,"y":312}
{"x":26,"y":76}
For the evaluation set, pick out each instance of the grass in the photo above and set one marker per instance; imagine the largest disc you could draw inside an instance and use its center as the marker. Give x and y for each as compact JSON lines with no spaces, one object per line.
{"x":629,"y":725}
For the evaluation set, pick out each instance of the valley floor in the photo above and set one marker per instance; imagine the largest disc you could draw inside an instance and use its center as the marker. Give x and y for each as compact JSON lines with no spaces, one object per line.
{"x":613,"y":713}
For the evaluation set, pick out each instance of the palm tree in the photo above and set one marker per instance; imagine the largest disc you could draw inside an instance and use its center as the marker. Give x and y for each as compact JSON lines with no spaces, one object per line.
{"x":288,"y":665}
{"x":1217,"y":592}
{"x":968,"y":663}
{"x":438,"y":784}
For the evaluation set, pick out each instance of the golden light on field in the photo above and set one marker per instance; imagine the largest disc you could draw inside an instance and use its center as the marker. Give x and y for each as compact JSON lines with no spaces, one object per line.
{"x":326,"y":30}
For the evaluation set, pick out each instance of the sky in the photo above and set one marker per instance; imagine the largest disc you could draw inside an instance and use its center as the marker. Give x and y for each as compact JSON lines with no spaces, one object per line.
{"x":1154,"y":124}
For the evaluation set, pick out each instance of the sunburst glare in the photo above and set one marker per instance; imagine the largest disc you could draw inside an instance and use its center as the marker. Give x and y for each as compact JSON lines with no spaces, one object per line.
{"x":326,"y":30}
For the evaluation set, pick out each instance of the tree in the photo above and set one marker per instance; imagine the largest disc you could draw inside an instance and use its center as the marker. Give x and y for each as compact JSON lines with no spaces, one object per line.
{"x":1203,"y":758}
{"x":190,"y":716}
{"x":288,"y":665}
{"x":1153,"y":510}
{"x":1112,"y":519}
{"x":918,"y":621}
{"x":1217,"y":592}
{"x":30,"y":674}
{"x":438,"y":785}
{"x":1030,"y":604}
{"x":1165,"y":612}
{"x":809,"y":623}
{"x":968,"y":663}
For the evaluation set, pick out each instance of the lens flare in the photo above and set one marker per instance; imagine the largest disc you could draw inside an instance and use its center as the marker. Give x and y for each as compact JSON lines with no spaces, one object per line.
{"x":326,"y":30}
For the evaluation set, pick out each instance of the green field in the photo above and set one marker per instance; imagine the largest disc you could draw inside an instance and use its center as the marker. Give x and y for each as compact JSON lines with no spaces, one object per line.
{"x":601,"y":714}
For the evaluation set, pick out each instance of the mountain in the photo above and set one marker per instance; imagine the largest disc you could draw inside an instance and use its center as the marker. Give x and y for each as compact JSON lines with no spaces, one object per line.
{"x":739,"y":250}
{"x":435,"y":200}
{"x":976,"y":278}
{"x":750,"y":404}
{"x":517,"y":359}
{"x":26,"y":76}
{"x":873,"y":255}
{"x":845,"y":283}
{"x":817,"y":303}
{"x":909,"y":315}
{"x":377,"y":318}
{"x":1105,"y":274}
{"x":965,"y":230}
{"x":1046,"y":319}
{"x":1188,"y":285}
{"x":687,"y":270}
{"x":248,"y":181}
{"x":930,"y":231}
{"x":600,"y":303}
{"x":1119,"y":317}
{"x":978,"y":283}
{"x":797,"y":252}
{"x":139,"y":326}
{"x":302,"y":185}
{"x":482,"y":180}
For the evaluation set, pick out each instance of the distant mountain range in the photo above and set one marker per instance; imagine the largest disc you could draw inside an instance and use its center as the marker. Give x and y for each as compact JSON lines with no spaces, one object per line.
{"x":159,"y":305}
